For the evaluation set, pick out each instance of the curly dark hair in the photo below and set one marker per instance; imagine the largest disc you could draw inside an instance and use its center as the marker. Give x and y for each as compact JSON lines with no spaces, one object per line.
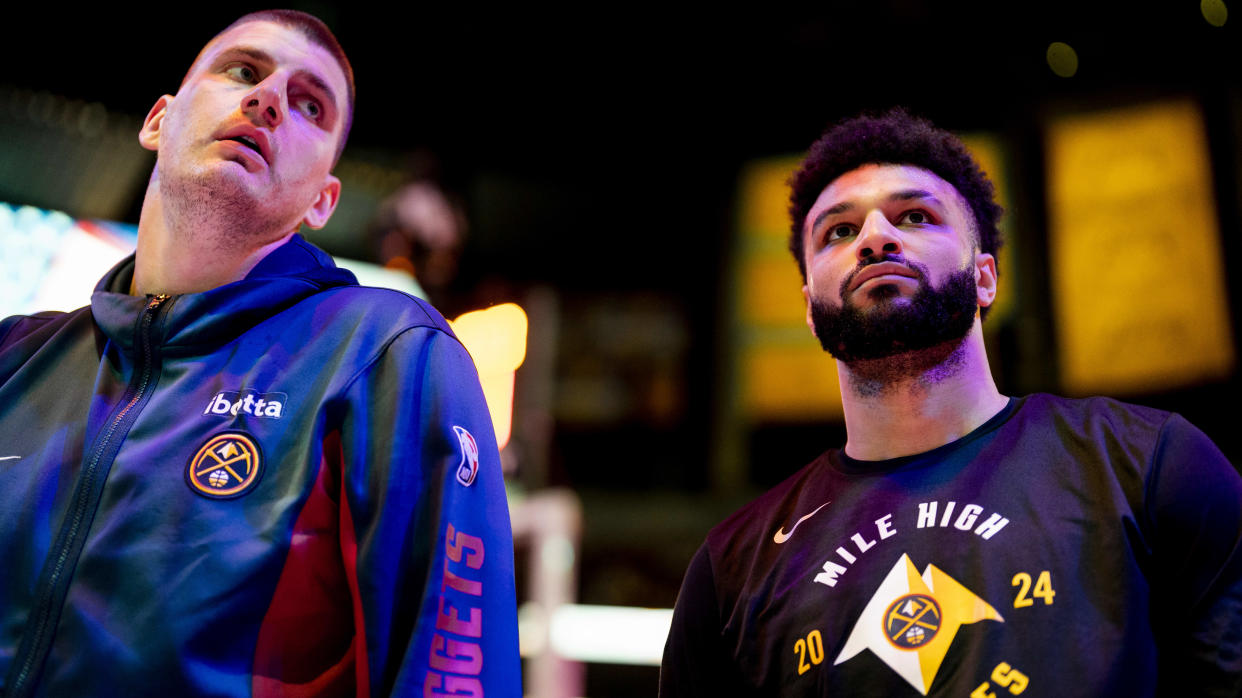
{"x":892,"y":137}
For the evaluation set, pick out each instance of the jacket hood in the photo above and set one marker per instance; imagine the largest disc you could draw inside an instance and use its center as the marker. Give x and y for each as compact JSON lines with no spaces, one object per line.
{"x":192,"y":321}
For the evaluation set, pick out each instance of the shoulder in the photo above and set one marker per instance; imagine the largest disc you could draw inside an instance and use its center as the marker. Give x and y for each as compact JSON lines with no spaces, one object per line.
{"x":51,"y":333}
{"x":35,"y":326}
{"x":1103,"y":411}
{"x":377,"y":322}
{"x":391,"y":336}
{"x":1101,"y":421}
{"x":385,"y":306}
{"x":334,"y":293}
{"x":1147,"y":448}
{"x":748,"y":531}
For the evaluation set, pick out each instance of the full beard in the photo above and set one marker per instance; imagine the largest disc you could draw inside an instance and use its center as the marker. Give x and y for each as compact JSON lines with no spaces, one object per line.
{"x":933,"y":318}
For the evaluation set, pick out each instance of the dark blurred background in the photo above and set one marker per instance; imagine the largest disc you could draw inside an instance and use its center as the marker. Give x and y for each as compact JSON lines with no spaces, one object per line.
{"x":600,"y":159}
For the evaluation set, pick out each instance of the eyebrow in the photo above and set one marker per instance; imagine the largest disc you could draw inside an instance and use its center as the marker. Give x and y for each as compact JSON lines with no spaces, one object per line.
{"x":903,"y":195}
{"x":261,"y":56}
{"x":257,"y":55}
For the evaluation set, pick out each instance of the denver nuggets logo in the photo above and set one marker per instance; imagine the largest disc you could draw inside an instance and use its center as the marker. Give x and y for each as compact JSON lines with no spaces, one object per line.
{"x":228,"y":465}
{"x":911,"y":621}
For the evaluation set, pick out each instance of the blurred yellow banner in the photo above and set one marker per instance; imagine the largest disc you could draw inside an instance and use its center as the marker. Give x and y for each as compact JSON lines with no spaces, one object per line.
{"x":1137,"y":275}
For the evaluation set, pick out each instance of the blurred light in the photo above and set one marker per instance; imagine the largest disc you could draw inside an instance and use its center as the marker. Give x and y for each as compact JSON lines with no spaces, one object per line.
{"x":92,"y":120}
{"x":557,"y":554}
{"x":1214,"y":11}
{"x":1062,"y":59}
{"x":604,"y":634}
{"x":496,"y":336}
{"x":52,"y":261}
{"x":374,"y":275}
{"x":496,"y":340}
{"x":532,"y":629}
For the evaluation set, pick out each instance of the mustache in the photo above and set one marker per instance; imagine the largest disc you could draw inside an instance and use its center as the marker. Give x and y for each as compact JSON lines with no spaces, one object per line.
{"x":920,"y":271}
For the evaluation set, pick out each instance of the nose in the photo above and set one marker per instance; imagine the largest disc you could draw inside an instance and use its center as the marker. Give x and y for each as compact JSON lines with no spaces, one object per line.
{"x":264,"y":104}
{"x":878,"y":237}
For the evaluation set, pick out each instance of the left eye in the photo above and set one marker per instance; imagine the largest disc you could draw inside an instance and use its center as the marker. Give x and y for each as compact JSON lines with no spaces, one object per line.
{"x":309,"y":107}
{"x":915,"y":218}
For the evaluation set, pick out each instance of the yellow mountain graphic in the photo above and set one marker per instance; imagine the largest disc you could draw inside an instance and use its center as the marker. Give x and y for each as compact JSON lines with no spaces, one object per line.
{"x":911,"y":621}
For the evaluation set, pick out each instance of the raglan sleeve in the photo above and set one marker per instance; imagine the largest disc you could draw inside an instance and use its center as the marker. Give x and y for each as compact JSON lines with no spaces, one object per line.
{"x":1195,"y":504}
{"x":695,"y":661}
{"x":426,"y":532}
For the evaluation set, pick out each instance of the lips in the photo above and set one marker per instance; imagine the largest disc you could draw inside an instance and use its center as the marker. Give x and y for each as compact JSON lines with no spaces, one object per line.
{"x":251,"y":138}
{"x":872,"y":271}
{"x":247,"y":140}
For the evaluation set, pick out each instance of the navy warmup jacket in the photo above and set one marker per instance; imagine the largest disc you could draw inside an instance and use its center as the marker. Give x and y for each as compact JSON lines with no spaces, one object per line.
{"x":285,"y":485}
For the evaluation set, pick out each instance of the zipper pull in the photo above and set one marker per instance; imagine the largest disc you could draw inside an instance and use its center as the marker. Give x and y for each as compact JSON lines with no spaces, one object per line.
{"x":155,"y":301}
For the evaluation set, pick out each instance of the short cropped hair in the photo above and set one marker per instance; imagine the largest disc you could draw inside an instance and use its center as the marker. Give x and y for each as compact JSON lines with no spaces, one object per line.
{"x":894,"y":137}
{"x":319,"y":34}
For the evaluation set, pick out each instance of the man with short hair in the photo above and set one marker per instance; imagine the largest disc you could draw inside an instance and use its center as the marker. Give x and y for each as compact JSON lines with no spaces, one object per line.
{"x":237,"y":472}
{"x":961,"y":543}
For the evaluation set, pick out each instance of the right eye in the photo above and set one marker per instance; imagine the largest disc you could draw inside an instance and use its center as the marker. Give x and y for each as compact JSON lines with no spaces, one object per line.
{"x":838,"y":232}
{"x":241,"y":72}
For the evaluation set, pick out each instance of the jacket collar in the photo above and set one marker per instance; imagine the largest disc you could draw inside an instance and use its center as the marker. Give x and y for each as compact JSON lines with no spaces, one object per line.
{"x":193,"y":322}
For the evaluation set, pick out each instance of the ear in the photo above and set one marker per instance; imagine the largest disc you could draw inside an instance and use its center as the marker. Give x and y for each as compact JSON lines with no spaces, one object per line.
{"x":806,"y":297}
{"x":325,"y":203}
{"x":149,"y":134}
{"x":985,"y":279}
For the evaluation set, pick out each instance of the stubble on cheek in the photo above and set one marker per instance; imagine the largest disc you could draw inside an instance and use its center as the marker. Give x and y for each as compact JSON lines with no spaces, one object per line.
{"x":213,"y":205}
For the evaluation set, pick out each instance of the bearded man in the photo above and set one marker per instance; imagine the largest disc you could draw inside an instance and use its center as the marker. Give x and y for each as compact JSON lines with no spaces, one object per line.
{"x":961,"y":543}
{"x":236,"y":472}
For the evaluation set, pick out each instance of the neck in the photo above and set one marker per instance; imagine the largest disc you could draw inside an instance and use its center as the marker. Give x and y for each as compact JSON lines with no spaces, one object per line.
{"x":917,"y":401}
{"x":186,"y":249}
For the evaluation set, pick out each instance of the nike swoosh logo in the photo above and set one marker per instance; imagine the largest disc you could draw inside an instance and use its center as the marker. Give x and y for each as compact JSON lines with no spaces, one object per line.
{"x":10,"y":457}
{"x":780,"y":536}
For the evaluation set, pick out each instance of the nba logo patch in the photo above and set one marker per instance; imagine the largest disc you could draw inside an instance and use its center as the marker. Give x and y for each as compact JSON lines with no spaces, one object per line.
{"x":469,"y":466}
{"x":227,"y":466}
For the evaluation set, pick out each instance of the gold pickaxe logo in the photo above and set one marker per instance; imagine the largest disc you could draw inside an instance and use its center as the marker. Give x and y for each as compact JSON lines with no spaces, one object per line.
{"x":228,"y":465}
